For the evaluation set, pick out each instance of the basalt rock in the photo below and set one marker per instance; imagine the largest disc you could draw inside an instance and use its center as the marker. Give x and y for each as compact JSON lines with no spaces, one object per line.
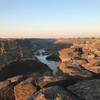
{"x":48,"y":81}
{"x":53,"y":93}
{"x":88,"y":90}
{"x":6,"y":91}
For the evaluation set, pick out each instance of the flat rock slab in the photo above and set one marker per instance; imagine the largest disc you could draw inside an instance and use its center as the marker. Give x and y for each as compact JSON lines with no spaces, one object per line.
{"x":4,"y":84}
{"x":74,"y":70}
{"x":7,"y":93}
{"x":24,"y":89}
{"x":50,"y":81}
{"x":15,"y":78}
{"x":88,"y":90}
{"x":53,"y":93}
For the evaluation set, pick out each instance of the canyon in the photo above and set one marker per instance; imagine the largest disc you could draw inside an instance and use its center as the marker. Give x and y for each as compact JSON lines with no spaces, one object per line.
{"x":50,"y":69}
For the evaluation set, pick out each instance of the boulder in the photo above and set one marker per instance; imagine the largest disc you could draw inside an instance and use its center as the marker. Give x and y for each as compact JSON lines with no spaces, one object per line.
{"x":24,"y":89}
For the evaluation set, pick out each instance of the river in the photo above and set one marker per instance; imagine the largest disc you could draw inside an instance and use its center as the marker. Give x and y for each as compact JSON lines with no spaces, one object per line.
{"x":51,"y":64}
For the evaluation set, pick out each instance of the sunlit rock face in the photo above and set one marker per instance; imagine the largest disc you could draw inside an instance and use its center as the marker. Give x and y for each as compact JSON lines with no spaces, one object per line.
{"x":4,"y":84}
{"x":53,"y":93}
{"x":1,"y":51}
{"x":92,"y":49}
{"x":88,"y":90}
{"x":95,"y":44}
{"x":66,"y":54}
{"x":24,"y":89}
{"x":47,"y":81}
{"x":92,"y":56}
{"x":71,"y":62}
{"x":74,"y":70}
{"x":15,"y":79}
{"x":34,"y":86}
{"x":92,"y":68}
{"x":25,"y":77}
{"x":84,"y":56}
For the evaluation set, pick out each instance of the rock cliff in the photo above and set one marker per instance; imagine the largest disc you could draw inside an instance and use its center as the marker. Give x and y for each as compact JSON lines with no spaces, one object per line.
{"x":23,"y":77}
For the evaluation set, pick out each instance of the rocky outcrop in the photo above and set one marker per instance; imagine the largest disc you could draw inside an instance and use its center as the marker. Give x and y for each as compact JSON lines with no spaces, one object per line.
{"x":24,"y":89}
{"x":7,"y":93}
{"x":6,"y":90}
{"x":84,"y":59}
{"x":13,"y":49}
{"x":27,"y":79}
{"x":15,"y":79}
{"x":92,"y":68}
{"x":47,"y":81}
{"x":53,"y":93}
{"x":4,"y":84}
{"x":74,"y":70}
{"x":39,"y":88}
{"x":66,"y":54}
{"x":88,"y":90}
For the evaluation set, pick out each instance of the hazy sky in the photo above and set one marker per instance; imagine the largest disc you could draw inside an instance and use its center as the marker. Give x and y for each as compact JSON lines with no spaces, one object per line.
{"x":49,"y":18}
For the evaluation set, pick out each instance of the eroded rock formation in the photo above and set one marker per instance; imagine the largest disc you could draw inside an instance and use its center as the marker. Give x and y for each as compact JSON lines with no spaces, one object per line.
{"x":80,"y":60}
{"x":79,"y":66}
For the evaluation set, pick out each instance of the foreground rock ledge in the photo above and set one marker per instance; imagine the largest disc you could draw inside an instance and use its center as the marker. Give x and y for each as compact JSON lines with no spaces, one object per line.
{"x":53,"y":93}
{"x":88,"y":90}
{"x":24,"y":89}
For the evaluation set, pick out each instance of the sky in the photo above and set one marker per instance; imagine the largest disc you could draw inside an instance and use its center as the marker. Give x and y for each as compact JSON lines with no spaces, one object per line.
{"x":49,"y":18}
